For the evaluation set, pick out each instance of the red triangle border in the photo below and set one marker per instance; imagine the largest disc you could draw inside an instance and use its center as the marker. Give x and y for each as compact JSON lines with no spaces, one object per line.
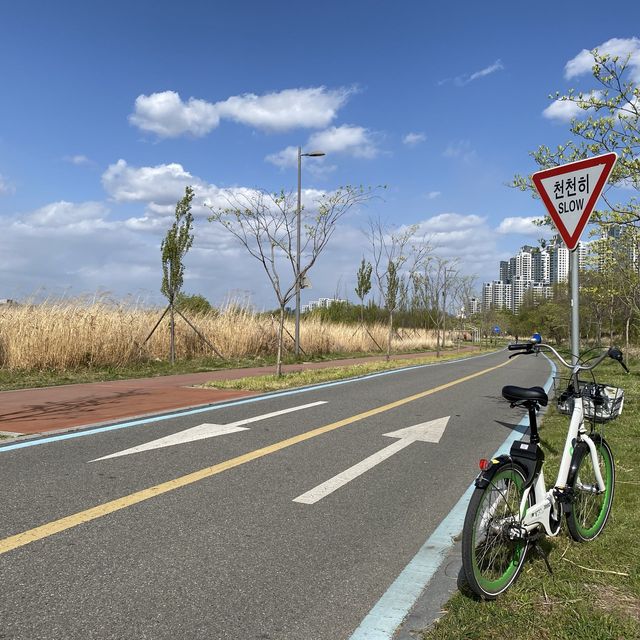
{"x":607,"y":159}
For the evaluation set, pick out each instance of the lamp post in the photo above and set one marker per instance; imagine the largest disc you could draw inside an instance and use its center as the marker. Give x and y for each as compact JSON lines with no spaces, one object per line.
{"x":311,"y":154}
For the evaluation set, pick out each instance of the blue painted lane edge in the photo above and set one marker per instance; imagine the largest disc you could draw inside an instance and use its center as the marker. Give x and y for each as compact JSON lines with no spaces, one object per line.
{"x":393,"y":607}
{"x":178,"y":414}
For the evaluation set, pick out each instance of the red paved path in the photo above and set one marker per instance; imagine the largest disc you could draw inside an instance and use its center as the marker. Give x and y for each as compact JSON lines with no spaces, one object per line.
{"x":33,"y":411}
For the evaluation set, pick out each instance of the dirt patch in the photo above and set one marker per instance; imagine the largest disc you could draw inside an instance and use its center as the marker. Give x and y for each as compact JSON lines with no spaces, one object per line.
{"x":611,"y":599}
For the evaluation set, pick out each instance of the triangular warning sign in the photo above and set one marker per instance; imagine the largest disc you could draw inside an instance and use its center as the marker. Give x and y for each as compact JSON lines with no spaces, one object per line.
{"x":570,"y":193}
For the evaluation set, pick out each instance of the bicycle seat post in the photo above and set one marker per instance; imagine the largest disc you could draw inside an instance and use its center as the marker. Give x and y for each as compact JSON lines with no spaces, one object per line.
{"x":532,"y":408}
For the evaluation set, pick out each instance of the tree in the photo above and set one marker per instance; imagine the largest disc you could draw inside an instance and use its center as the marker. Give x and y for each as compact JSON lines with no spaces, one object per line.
{"x":192,"y":303}
{"x":394,"y":251}
{"x":362,"y":290}
{"x":265,"y":225}
{"x":363,"y":285}
{"x":431,"y":284}
{"x":611,"y":122}
{"x":174,"y":247}
{"x":391,"y":290}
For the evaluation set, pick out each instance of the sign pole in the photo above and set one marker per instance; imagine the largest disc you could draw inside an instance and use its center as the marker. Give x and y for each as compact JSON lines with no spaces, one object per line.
{"x":574,"y":266}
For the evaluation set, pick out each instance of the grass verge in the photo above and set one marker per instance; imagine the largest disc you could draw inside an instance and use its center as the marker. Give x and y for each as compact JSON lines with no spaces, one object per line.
{"x":12,"y":380}
{"x":313,"y":376}
{"x":594,"y":592}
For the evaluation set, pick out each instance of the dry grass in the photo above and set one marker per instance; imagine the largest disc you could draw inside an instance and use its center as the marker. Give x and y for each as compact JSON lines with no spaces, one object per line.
{"x":62,"y":335}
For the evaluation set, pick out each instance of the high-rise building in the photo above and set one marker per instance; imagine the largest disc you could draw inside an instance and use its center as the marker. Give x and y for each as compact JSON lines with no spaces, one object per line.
{"x":540,"y":267}
{"x":504,"y":270}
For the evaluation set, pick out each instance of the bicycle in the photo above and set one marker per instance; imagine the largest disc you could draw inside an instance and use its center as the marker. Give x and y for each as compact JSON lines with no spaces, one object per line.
{"x":511,"y":508}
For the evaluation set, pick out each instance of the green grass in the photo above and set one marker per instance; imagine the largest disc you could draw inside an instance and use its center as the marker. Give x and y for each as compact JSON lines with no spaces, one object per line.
{"x":313,"y":376}
{"x":594,"y":592}
{"x":11,"y":380}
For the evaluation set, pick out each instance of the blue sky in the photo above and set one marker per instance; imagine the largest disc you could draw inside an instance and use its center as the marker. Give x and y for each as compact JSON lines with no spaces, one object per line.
{"x":109,"y":109}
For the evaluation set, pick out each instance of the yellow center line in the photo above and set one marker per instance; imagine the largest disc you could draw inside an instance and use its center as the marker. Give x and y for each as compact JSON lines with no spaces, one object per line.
{"x":68,"y":522}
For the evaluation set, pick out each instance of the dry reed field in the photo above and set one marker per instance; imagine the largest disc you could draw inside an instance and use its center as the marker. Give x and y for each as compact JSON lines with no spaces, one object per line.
{"x":62,"y":335}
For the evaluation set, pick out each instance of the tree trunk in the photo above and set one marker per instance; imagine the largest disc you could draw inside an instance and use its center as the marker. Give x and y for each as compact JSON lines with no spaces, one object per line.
{"x":626,"y":333}
{"x":280,"y":339}
{"x":389,"y":336}
{"x":172,"y":336}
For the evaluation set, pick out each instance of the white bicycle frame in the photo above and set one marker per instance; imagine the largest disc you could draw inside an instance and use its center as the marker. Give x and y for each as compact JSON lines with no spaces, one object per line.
{"x":545,"y":504}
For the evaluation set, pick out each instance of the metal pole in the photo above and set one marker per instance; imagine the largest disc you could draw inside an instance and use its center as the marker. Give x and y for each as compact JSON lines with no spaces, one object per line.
{"x":297,"y":331}
{"x":574,"y":265}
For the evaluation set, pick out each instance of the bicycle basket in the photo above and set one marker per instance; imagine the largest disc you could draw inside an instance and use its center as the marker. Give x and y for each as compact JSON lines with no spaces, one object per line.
{"x":563,"y":391}
{"x":602,"y":402}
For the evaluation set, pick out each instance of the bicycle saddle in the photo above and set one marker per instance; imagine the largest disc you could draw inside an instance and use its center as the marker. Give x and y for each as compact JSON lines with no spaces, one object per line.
{"x":518,"y":394}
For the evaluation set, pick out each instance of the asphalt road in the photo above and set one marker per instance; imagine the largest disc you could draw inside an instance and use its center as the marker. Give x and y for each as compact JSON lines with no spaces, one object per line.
{"x":178,"y":552}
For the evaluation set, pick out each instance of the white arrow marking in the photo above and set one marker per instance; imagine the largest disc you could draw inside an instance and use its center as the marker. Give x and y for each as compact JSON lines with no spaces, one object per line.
{"x":203,"y":431}
{"x":426,"y":432}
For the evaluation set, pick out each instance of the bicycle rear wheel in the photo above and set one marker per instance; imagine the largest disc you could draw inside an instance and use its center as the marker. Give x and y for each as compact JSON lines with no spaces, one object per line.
{"x":492,"y":556}
{"x":591,"y":508}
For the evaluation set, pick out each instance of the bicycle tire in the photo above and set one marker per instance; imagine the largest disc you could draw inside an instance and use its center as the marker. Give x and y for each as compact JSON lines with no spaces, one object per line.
{"x":590,"y":511}
{"x":491,"y":561}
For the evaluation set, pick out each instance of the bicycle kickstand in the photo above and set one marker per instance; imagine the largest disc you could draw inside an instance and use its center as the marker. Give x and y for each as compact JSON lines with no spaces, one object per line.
{"x":543,"y":555}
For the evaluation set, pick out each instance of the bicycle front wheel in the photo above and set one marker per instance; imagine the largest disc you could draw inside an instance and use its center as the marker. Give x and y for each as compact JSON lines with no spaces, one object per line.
{"x":591,"y":507}
{"x":492,"y":552}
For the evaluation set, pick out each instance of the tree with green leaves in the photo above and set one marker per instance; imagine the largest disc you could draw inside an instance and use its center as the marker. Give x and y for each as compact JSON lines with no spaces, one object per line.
{"x":174,"y":247}
{"x":607,"y":120}
{"x":363,"y":286}
{"x":362,"y":289}
{"x":192,"y":303}
{"x":610,"y":121}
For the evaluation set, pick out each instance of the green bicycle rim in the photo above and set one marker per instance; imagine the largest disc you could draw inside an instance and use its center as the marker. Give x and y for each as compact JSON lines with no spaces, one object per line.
{"x":503,"y":581}
{"x":606,"y":497}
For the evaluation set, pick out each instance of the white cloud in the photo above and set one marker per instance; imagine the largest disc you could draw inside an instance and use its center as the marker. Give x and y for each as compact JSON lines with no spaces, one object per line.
{"x":289,"y":109}
{"x":78,"y":160}
{"x":6,"y":188}
{"x":347,"y":139}
{"x":461,"y":150}
{"x":432,"y":195}
{"x":562,"y":111}
{"x":85,"y":215}
{"x":286,"y":158}
{"x":168,"y":116}
{"x":492,"y":68}
{"x":163,"y":184}
{"x":466,"y":78}
{"x":412,"y":139}
{"x":445,"y":222}
{"x":620,"y":47}
{"x":522,"y":226}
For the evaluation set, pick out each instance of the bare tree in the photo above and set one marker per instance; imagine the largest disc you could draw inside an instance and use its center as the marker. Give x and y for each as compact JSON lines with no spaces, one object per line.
{"x":265,"y":224}
{"x":432,"y":283}
{"x":397,"y":255}
{"x":462,"y":292}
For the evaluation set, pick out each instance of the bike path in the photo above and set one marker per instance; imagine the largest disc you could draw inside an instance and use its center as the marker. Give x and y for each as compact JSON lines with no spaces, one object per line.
{"x":232,"y":555}
{"x":59,"y":408}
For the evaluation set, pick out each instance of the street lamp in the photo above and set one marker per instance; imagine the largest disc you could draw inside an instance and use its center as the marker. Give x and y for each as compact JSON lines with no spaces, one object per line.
{"x":311,"y":154}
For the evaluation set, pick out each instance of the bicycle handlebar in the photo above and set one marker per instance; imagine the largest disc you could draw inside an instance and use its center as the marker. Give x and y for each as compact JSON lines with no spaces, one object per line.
{"x":533,"y":347}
